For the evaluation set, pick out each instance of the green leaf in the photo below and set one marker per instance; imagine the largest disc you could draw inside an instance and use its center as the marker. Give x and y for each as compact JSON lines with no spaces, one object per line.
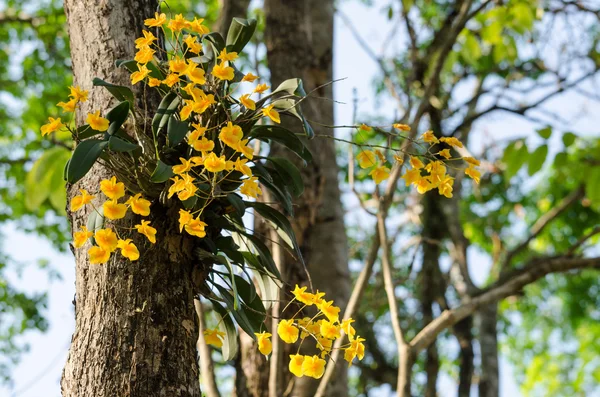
{"x":263,"y":254}
{"x":119,"y":145}
{"x":121,"y":93}
{"x":168,"y":105}
{"x":117,"y":117}
{"x":57,"y":184}
{"x":239,"y":34}
{"x":227,"y":264}
{"x":568,"y":139}
{"x":45,"y":177}
{"x":176,"y":131}
{"x":290,"y":174}
{"x":283,"y":136}
{"x":280,"y":221}
{"x":592,"y":187}
{"x":545,"y":132}
{"x":85,"y":131}
{"x":237,"y":203}
{"x":250,"y":299}
{"x":522,"y":17}
{"x":492,"y":33}
{"x":216,"y":40}
{"x":537,"y":159}
{"x":515,"y":156}
{"x":84,"y":157}
{"x":471,"y":51}
{"x":226,"y":325}
{"x":249,"y":324}
{"x":292,"y":107}
{"x":560,"y":160}
{"x":278,"y":190}
{"x":161,"y":173}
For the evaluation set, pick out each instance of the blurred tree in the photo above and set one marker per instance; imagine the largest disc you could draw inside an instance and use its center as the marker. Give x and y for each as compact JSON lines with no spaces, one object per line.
{"x":448,"y":65}
{"x":34,"y":71}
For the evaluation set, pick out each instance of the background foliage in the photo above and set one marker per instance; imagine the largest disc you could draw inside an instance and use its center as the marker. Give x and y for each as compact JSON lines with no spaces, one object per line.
{"x":510,"y":59}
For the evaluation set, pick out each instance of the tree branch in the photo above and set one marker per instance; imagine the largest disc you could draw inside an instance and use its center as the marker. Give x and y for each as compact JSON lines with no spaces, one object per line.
{"x":508,"y":285}
{"x":541,"y":224}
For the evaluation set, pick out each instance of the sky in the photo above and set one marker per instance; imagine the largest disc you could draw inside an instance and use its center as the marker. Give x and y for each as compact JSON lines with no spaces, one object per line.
{"x":39,"y":372}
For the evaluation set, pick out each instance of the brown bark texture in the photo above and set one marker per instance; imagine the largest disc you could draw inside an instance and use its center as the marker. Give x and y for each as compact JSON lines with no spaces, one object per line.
{"x":299,"y":40}
{"x":136,"y":328}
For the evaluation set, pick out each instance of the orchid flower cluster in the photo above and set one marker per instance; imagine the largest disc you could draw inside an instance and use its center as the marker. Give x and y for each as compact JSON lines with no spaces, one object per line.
{"x":323,"y":329}
{"x":428,"y":170}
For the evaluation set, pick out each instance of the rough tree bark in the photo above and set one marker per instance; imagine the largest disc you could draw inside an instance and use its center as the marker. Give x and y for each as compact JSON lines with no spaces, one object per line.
{"x":136,"y":328}
{"x":299,"y":39}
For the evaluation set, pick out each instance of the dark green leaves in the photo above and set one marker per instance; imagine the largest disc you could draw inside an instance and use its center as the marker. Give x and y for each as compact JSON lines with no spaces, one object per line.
{"x":121,"y":93}
{"x":289,"y":173}
{"x":161,"y":173}
{"x":117,"y":116}
{"x":120,"y":145}
{"x":283,"y":136}
{"x":84,"y":157}
{"x":239,"y":34}
{"x":176,"y":131}
{"x":280,"y":222}
{"x":166,"y":108}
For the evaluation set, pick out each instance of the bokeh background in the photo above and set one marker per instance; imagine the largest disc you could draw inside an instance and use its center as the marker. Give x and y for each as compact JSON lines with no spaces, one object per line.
{"x":537,"y":65}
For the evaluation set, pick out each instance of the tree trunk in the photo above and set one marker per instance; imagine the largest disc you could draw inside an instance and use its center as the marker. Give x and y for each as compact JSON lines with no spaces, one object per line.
{"x":136,"y":327}
{"x":489,"y":385}
{"x":299,"y":39}
{"x":430,"y":281}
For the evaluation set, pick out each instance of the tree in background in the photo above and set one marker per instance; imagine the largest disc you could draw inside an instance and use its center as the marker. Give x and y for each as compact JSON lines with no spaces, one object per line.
{"x":454,"y":64}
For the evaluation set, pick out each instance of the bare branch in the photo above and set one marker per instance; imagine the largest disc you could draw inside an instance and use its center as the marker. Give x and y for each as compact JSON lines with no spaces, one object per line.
{"x":469,"y":120}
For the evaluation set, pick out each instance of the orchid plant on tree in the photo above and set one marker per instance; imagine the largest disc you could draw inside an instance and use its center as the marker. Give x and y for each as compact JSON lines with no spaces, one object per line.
{"x":196,"y":153}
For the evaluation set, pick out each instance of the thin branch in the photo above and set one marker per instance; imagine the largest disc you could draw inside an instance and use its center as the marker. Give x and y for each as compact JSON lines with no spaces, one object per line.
{"x":469,"y":120}
{"x":583,"y":240}
{"x":541,"y":224}
{"x":508,"y":285}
